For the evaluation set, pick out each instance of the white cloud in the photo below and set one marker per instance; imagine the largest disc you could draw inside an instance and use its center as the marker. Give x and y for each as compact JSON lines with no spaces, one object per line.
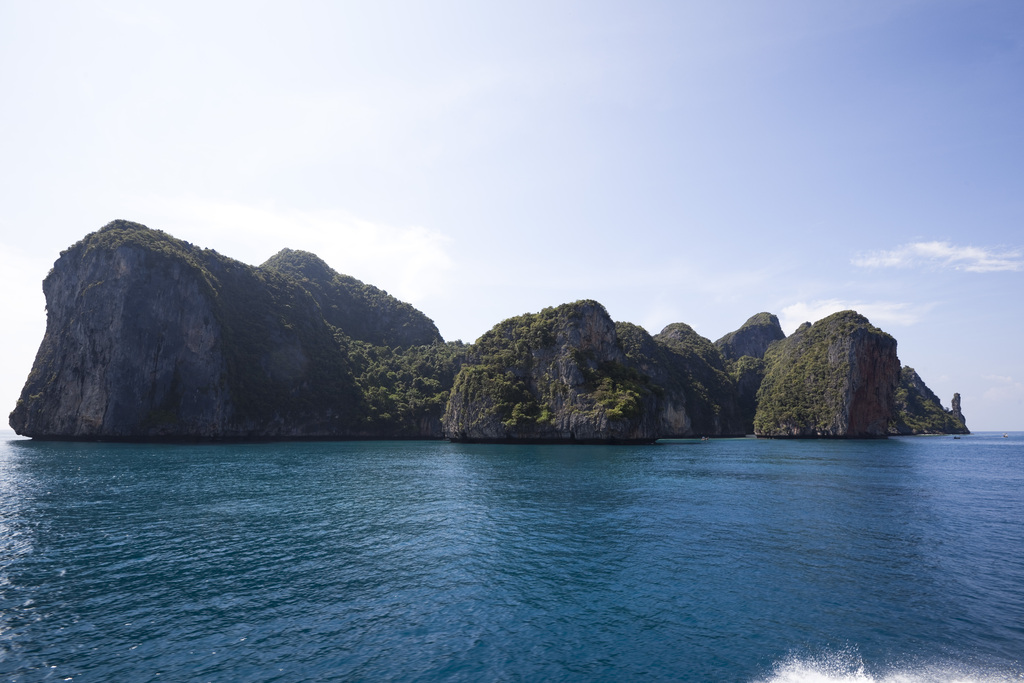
{"x":411,"y":262}
{"x":943,"y":255}
{"x":880,"y":313}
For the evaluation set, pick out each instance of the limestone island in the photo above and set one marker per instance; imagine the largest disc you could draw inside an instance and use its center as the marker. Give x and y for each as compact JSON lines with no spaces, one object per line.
{"x":150,"y":338}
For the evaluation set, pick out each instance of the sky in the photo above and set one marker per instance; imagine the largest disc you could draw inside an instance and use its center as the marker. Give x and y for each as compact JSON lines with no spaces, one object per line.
{"x":679,"y":161}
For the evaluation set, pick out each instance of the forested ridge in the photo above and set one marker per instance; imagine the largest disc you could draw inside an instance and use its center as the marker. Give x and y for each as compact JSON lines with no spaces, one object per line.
{"x":151,"y":337}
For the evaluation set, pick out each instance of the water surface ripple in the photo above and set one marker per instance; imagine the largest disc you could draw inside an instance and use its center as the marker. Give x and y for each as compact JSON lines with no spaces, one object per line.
{"x":733,"y":560}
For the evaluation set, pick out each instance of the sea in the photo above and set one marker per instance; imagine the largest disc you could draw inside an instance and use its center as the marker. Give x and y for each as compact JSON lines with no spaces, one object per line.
{"x":895,"y":560}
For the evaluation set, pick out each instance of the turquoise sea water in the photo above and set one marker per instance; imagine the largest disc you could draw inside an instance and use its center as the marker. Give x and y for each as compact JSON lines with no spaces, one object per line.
{"x":732,"y":560}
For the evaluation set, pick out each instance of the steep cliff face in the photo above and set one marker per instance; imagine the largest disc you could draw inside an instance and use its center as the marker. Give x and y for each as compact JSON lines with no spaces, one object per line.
{"x":956,"y":413}
{"x":668,"y":376}
{"x":123,"y":355}
{"x":748,"y":373}
{"x":559,"y":375}
{"x":836,"y":378}
{"x":694,"y":397}
{"x":150,"y":337}
{"x":695,"y":367}
{"x":359,"y":310}
{"x":743,"y":350}
{"x":919,"y":411}
{"x":571,"y":374}
{"x":752,"y":338}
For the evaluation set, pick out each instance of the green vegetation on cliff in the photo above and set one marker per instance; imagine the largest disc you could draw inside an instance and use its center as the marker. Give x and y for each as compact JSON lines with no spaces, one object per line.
{"x":919,"y":410}
{"x":149,"y":336}
{"x":752,"y":338}
{"x":531,"y":373}
{"x":747,"y":373}
{"x":743,"y":350}
{"x":282,"y":363}
{"x":286,"y":369}
{"x":495,"y":375}
{"x":808,"y":385}
{"x":405,"y":390}
{"x":698,"y":368}
{"x":361,"y":311}
{"x":616,"y":387}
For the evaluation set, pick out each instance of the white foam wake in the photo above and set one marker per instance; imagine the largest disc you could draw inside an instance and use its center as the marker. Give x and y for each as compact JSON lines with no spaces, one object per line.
{"x":848,"y":667}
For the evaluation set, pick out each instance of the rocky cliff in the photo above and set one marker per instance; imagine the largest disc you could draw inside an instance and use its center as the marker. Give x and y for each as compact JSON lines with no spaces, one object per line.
{"x":555,"y":376}
{"x":954,"y":410}
{"x":695,"y":397}
{"x":919,"y":411}
{"x":836,"y":378}
{"x":123,"y":356}
{"x":752,"y":338}
{"x":748,"y":373}
{"x":743,"y":350}
{"x":712,"y":399}
{"x":149,"y":337}
{"x":361,"y":311}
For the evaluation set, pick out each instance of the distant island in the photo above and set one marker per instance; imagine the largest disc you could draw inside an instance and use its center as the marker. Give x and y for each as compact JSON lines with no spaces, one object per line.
{"x":150,"y":338}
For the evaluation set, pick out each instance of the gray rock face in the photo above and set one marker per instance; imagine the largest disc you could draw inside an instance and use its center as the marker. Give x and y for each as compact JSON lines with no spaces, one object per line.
{"x":148,"y":337}
{"x":836,"y":378}
{"x":131,"y":348}
{"x":696,"y":368}
{"x":752,"y":338}
{"x":569,"y":374}
{"x":919,"y":411}
{"x":748,"y":373}
{"x":955,"y":411}
{"x":556,"y":376}
{"x":361,"y":311}
{"x":744,"y":350}
{"x":656,"y":361}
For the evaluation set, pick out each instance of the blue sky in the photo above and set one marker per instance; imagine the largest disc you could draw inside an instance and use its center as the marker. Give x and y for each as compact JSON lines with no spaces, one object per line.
{"x":677,"y":161}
